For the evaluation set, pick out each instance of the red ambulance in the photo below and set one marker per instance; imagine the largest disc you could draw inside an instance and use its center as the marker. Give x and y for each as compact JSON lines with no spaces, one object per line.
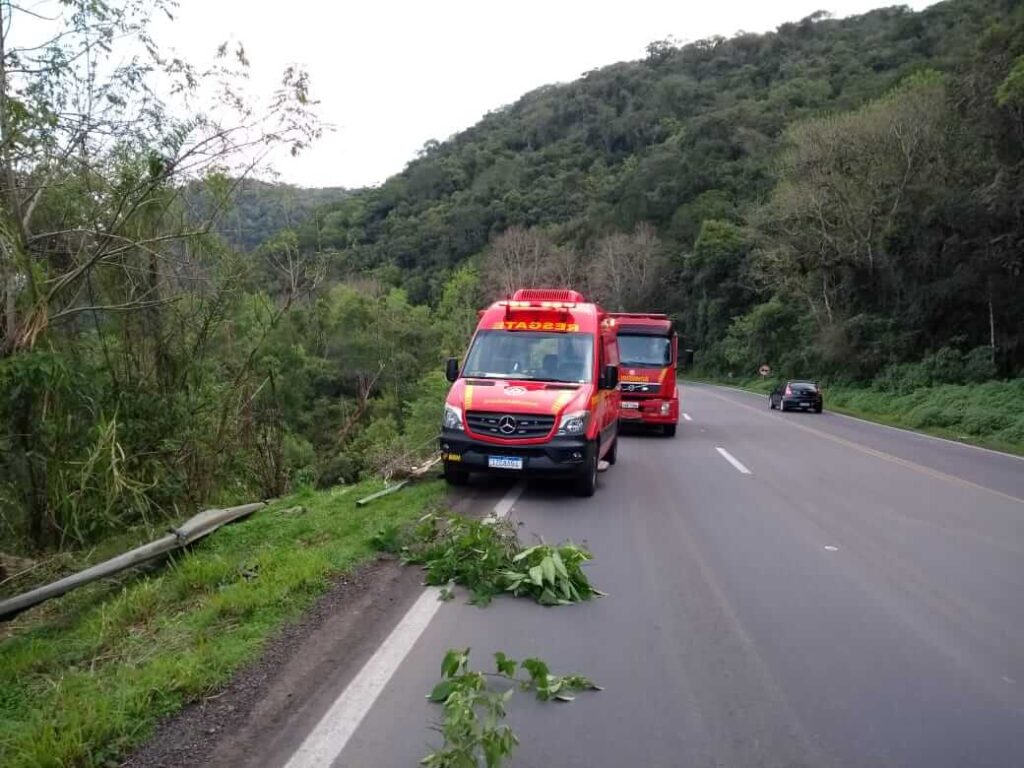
{"x":648,"y":354}
{"x":537,"y":394}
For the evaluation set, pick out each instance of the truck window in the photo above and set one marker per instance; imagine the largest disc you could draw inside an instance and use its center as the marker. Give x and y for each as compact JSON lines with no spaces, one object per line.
{"x":645,"y":351}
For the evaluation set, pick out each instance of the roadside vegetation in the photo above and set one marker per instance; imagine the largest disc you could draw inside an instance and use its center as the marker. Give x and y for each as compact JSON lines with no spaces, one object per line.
{"x":985,"y":413}
{"x":85,"y":678}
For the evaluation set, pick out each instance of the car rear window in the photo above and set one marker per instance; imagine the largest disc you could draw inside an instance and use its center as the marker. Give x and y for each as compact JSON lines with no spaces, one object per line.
{"x":803,"y":386}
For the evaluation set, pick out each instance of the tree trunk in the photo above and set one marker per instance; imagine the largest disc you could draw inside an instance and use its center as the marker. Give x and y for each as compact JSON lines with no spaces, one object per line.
{"x":36,"y":499}
{"x":154,"y":322}
{"x":991,"y":327}
{"x":9,"y":285}
{"x":12,"y":204}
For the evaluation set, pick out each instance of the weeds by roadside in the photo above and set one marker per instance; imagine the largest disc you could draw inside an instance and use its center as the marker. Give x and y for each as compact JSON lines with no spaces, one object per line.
{"x":486,"y":557}
{"x":473,"y":710}
{"x":85,"y":680}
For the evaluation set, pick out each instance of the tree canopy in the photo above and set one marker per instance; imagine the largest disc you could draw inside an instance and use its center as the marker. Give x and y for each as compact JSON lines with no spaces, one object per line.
{"x":864,"y":171}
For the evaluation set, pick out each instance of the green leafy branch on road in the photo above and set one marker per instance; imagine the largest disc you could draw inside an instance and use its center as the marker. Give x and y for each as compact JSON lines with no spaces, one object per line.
{"x":552,"y":575}
{"x":486,"y":557}
{"x":473,"y":711}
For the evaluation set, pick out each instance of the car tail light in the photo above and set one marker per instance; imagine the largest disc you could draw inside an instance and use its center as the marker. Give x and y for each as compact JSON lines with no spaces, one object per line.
{"x":788,"y":391}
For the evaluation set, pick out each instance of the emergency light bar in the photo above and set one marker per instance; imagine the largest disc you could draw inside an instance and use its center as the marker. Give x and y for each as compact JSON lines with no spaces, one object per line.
{"x":638,"y":315}
{"x":538,"y":304}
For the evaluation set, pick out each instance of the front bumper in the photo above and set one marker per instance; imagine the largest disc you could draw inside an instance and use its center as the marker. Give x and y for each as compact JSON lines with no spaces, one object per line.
{"x":649,"y":411}
{"x":561,"y":456}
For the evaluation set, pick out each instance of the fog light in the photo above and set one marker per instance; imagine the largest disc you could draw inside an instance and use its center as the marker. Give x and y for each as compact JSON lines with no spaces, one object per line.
{"x":445,"y":447}
{"x":665,"y":407}
{"x":577,"y":455}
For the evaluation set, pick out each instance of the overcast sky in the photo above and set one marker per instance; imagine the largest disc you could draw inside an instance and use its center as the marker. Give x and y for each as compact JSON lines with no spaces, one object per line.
{"x":392,"y":75}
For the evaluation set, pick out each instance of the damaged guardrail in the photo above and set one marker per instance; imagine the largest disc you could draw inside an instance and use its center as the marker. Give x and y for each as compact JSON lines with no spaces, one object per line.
{"x":188,"y":532}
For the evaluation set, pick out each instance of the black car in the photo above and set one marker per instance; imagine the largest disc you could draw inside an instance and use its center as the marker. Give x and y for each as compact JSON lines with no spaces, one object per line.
{"x":796,"y":395}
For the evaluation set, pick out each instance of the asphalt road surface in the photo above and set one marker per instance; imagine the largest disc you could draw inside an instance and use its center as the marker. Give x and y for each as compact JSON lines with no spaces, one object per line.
{"x":784,"y":590}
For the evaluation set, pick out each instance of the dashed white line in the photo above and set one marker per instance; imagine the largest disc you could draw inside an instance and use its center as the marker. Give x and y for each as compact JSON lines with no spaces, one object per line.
{"x":733,"y":460}
{"x":327,"y":740}
{"x":687,"y":417}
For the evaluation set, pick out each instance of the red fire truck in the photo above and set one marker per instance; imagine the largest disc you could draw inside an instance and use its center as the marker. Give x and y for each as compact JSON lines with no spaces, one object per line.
{"x":538,"y":391}
{"x":648,"y":355}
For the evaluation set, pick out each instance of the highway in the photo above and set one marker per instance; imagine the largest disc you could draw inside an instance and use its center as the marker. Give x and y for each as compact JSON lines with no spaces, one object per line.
{"x":783,"y":590}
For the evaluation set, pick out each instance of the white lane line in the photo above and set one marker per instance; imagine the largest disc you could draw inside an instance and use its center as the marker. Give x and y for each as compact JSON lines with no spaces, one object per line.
{"x":503,"y":507}
{"x":327,"y":740}
{"x":687,"y":417}
{"x":732,"y":460}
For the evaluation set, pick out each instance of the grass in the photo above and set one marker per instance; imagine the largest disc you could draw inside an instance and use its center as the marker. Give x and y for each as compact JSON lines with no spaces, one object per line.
{"x":990,"y":414}
{"x":86,"y":680}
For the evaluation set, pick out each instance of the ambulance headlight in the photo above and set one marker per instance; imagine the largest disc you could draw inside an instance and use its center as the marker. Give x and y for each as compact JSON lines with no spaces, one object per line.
{"x":574,"y":423}
{"x":452,"y":418}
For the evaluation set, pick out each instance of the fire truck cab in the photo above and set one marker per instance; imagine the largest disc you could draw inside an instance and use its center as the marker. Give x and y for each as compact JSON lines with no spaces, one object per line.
{"x":537,"y":393}
{"x":648,"y":353}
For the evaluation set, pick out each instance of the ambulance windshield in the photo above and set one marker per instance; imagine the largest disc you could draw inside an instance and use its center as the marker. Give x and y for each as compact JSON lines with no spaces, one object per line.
{"x":531,"y":356}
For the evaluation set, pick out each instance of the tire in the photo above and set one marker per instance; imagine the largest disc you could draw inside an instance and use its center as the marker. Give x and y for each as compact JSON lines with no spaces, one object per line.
{"x":670,"y":430}
{"x":613,"y":452}
{"x":819,"y":408}
{"x":455,"y":475}
{"x":586,"y":482}
{"x":771,"y":403}
{"x":782,"y":406}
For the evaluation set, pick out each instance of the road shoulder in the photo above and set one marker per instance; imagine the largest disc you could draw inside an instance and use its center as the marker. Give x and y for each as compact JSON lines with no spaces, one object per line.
{"x":285,"y":690}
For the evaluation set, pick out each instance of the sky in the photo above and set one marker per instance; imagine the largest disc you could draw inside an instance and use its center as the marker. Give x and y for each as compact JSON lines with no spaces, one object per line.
{"x":392,"y":75}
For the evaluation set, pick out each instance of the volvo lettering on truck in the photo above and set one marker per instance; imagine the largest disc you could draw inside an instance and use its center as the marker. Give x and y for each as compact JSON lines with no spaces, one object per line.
{"x":537,"y":393}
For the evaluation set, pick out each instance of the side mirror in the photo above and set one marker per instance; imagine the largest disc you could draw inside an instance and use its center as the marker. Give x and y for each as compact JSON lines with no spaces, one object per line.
{"x":451,"y":369}
{"x":688,"y":357}
{"x":610,"y":377}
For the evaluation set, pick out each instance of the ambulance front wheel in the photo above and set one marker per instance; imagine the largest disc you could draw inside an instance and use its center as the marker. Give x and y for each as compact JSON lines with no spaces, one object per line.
{"x":455,"y":475}
{"x":586,"y":482}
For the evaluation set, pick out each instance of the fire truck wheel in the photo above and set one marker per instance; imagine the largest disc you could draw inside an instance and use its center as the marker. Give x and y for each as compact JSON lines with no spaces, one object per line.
{"x":670,"y":430}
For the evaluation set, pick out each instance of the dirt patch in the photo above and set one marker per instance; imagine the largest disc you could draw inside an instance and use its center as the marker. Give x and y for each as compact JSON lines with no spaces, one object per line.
{"x":279,"y":690}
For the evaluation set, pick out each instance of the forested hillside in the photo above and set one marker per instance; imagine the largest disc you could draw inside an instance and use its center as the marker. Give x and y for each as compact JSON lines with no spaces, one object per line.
{"x":839,"y":198}
{"x":257,"y":210}
{"x":833,"y":198}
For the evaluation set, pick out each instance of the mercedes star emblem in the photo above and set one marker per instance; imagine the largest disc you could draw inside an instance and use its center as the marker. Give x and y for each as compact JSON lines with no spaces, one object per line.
{"x":507,"y":425}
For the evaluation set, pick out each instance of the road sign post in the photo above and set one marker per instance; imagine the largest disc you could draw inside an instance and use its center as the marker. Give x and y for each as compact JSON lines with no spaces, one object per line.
{"x":764,"y":370}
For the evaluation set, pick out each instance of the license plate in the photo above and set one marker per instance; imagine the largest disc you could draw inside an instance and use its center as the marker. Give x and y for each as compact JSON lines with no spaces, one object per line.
{"x":505,"y":462}
{"x":629,"y":405}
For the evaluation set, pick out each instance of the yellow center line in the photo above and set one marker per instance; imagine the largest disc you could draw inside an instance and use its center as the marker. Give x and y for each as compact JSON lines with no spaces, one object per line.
{"x":876,"y":453}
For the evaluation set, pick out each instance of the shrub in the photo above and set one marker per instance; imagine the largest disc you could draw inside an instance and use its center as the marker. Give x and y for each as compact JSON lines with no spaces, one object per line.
{"x":978,"y":365}
{"x":983,"y":421}
{"x":929,"y":416}
{"x":1013,"y":434}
